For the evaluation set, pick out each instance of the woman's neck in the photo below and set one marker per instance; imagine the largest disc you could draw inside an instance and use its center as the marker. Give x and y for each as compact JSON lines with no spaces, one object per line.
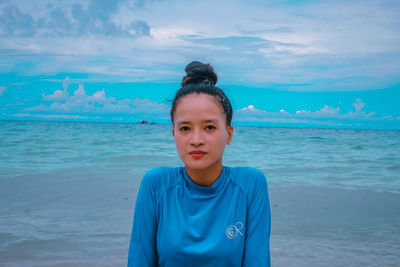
{"x":205,"y":177}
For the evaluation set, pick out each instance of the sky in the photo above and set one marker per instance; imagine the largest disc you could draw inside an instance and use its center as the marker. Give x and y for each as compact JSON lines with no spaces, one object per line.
{"x":325,"y":64}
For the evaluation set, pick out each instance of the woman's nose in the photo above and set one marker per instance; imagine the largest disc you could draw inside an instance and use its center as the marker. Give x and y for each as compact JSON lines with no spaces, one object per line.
{"x":197,"y":138}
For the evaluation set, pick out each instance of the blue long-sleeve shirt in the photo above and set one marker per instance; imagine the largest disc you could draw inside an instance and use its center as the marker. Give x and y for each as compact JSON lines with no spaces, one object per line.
{"x":179,"y":223}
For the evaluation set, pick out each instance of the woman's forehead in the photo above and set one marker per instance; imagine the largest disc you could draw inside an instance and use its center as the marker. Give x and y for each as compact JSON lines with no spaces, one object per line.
{"x":199,"y":102}
{"x":199,"y":108}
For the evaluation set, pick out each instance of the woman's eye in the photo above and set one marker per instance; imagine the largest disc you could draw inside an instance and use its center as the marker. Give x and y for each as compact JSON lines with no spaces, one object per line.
{"x":184,"y":129}
{"x":210,"y":127}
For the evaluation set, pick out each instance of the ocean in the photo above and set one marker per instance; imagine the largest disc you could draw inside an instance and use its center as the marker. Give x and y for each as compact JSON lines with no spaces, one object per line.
{"x":68,"y":189}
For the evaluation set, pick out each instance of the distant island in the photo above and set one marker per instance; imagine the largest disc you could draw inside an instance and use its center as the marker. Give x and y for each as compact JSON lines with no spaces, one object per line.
{"x":146,"y":122}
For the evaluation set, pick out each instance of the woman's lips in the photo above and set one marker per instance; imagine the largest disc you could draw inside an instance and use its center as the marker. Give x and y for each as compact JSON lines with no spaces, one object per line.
{"x":197,"y":153}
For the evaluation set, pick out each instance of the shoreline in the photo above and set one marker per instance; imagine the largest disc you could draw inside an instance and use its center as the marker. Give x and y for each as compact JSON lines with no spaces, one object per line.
{"x":311,"y":225}
{"x":319,"y":226}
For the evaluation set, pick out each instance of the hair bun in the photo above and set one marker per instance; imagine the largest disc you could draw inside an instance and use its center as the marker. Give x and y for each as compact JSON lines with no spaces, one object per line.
{"x":197,"y":72}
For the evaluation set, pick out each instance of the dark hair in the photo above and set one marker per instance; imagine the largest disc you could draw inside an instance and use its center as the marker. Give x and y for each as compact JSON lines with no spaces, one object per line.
{"x":201,"y":79}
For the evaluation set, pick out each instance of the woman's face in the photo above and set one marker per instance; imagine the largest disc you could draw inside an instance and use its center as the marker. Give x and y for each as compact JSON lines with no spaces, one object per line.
{"x":200,"y":131}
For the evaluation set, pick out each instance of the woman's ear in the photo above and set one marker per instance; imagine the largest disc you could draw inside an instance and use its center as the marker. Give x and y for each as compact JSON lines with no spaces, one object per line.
{"x":173,"y":131}
{"x":229,"y":129}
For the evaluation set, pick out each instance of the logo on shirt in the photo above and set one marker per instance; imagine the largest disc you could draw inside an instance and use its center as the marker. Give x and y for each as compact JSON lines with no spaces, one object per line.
{"x":233,"y":231}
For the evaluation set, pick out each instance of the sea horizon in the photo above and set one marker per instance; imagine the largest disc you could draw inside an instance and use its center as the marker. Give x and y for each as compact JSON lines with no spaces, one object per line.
{"x":240,"y":124}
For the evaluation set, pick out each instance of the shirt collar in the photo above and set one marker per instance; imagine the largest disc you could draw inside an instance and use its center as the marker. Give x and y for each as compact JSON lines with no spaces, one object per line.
{"x":217,"y":185}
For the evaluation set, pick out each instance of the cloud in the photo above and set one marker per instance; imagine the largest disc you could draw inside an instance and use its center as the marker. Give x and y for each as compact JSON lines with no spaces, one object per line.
{"x":329,"y":110}
{"x":102,"y":9}
{"x":139,"y":28}
{"x":66,"y":83}
{"x":56,"y":96}
{"x":358,"y":106}
{"x":250,"y":107}
{"x":70,"y":20}
{"x":14,"y":22}
{"x":2,"y":90}
{"x":325,"y":112}
{"x":99,"y":96}
{"x":326,"y":115}
{"x":79,"y":102}
{"x":280,"y":44}
{"x":358,"y":113}
{"x":282,"y":117}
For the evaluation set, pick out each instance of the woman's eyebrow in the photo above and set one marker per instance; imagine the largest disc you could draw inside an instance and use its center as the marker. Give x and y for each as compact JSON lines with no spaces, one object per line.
{"x":208,"y":121}
{"x":182,"y":122}
{"x":205,"y":121}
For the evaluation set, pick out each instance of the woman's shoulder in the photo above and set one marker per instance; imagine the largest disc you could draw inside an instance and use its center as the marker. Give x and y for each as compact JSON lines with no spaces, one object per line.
{"x":246,"y":173}
{"x":160,"y":171}
{"x":246,"y":177}
{"x":251,"y":181}
{"x":161,"y":176}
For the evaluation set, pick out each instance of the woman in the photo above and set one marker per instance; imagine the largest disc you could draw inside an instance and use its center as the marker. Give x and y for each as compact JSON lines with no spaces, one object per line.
{"x":203,"y":214}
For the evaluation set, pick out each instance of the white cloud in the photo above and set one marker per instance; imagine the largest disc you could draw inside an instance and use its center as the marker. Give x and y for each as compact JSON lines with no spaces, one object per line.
{"x":329,"y":110}
{"x":68,"y":19}
{"x":326,"y":115}
{"x":58,"y":95}
{"x":80,"y":102}
{"x":276,"y":41}
{"x":325,"y":112}
{"x":358,"y":113}
{"x":250,"y":107}
{"x":99,"y":96}
{"x":80,"y":92}
{"x":66,"y":83}
{"x":262,"y":116}
{"x":358,"y":106}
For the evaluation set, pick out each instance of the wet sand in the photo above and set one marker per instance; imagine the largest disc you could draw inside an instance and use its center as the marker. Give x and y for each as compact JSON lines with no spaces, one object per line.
{"x":65,"y":220}
{"x":319,"y":226}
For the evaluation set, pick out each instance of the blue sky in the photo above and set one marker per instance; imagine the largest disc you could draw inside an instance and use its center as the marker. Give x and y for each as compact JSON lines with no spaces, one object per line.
{"x":330,"y":64}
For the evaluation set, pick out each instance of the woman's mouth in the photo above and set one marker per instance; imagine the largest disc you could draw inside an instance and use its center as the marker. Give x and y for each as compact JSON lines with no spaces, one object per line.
{"x":197,"y":153}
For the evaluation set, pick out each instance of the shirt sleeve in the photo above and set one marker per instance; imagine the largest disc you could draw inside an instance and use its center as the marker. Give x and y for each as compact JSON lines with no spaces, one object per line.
{"x":258,"y":230}
{"x":143,"y":249}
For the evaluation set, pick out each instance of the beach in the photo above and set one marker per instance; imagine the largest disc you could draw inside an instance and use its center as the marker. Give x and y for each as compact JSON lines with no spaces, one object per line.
{"x":68,"y":191}
{"x":319,"y":226}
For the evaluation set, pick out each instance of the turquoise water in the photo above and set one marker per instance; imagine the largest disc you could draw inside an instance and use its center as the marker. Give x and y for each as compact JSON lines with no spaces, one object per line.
{"x":67,"y":191}
{"x":343,"y":158}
